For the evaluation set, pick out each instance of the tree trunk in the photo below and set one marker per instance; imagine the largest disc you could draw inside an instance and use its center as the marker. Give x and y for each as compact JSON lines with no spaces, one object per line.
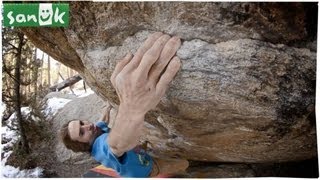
{"x":17,"y":105}
{"x":30,"y":71}
{"x":48,"y":70}
{"x":57,"y":75}
{"x":41,"y":70}
{"x":29,"y":78}
{"x":84,"y":86}
{"x":68,"y":72}
{"x":35,"y":77}
{"x":66,"y":83}
{"x":71,"y":72}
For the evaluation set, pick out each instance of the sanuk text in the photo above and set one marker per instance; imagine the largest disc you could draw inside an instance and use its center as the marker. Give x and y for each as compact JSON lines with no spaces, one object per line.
{"x":40,"y":14}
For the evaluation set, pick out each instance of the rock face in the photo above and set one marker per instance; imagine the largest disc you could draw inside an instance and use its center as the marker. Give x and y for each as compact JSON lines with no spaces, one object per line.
{"x":246,"y":89}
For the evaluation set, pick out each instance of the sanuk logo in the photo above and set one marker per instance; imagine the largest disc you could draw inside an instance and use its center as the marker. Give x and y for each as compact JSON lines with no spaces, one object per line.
{"x":35,"y":14}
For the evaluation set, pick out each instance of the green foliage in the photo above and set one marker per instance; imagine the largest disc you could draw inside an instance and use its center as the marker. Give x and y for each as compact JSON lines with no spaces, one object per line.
{"x":28,"y":69}
{"x":35,"y":130}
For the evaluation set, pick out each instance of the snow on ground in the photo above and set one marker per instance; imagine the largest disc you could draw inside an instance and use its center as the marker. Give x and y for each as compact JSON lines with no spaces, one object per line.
{"x":12,"y":172}
{"x":8,"y":171}
{"x":53,"y":105}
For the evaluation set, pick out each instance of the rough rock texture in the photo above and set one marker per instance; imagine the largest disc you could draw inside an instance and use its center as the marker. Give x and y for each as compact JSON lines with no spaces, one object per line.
{"x":246,"y":89}
{"x":222,"y":171}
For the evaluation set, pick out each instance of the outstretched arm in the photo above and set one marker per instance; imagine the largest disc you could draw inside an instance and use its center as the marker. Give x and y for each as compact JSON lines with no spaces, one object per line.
{"x":140,"y":84}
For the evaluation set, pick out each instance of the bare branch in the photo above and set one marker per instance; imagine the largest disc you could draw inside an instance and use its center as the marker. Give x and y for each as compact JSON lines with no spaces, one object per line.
{"x":11,"y":45}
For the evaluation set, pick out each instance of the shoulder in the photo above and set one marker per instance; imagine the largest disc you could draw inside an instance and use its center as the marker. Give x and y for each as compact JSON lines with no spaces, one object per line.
{"x":102,"y":153}
{"x":103,"y":126}
{"x":99,"y":144}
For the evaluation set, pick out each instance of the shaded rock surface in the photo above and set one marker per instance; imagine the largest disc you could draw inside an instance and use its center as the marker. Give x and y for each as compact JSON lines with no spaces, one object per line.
{"x":303,"y":169}
{"x":246,"y":89}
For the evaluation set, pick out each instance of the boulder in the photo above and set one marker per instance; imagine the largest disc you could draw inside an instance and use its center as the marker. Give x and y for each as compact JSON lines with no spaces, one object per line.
{"x":246,"y":88}
{"x":58,"y":95}
{"x":221,"y":171}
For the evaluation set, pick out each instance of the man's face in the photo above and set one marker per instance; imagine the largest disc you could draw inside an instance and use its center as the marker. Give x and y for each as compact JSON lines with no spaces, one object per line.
{"x":83,"y":131}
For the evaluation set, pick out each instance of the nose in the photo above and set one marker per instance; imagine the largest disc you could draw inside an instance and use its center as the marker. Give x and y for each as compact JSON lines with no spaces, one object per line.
{"x":87,"y":127}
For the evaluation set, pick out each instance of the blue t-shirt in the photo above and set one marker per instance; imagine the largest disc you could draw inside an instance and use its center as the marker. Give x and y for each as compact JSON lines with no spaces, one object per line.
{"x":133,"y":163}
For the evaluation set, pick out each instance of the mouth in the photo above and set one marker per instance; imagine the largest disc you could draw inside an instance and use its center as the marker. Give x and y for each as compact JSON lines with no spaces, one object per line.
{"x":94,"y":128}
{"x":45,"y":18}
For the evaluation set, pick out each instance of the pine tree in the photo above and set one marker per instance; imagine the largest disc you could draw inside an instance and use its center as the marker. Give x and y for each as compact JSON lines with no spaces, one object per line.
{"x":19,"y":77}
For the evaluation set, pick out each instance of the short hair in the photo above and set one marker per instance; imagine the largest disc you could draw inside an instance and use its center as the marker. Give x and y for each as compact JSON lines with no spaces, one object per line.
{"x":73,"y":145}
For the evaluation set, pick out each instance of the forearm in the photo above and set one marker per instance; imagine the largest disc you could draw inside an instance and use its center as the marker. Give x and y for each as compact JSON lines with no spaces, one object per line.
{"x":126,"y":132}
{"x":106,"y":114}
{"x":104,"y":118}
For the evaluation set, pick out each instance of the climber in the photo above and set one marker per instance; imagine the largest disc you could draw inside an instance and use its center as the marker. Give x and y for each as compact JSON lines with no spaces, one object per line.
{"x":140,"y":82}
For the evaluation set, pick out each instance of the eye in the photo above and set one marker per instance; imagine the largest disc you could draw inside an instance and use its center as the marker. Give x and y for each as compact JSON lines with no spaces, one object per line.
{"x":43,"y":11}
{"x":81,"y":123}
{"x":81,"y":132}
{"x":47,"y":11}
